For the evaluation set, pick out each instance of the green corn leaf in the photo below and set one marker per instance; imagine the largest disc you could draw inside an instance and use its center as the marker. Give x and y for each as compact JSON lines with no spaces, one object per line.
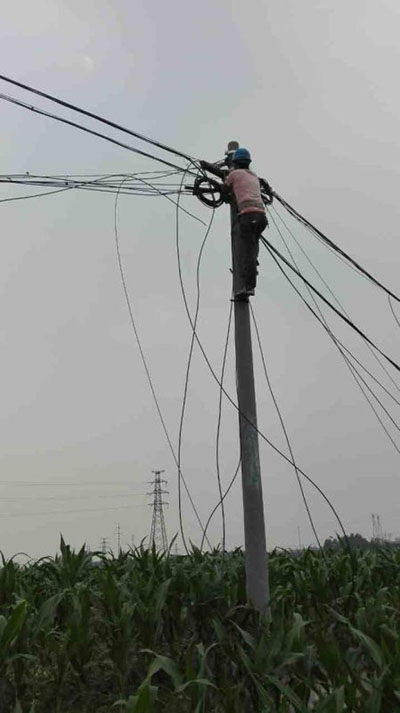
{"x":333,"y":703}
{"x":47,"y":612}
{"x":198,"y":681}
{"x":248,"y":638}
{"x":291,"y":696}
{"x":142,"y":702}
{"x":13,"y":627}
{"x":163,"y":663}
{"x":370,"y":645}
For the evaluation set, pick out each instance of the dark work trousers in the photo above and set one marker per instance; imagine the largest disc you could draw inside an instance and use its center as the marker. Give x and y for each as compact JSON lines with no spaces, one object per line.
{"x":251,"y":227}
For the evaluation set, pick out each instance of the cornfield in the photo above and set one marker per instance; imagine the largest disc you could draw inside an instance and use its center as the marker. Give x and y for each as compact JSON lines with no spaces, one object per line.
{"x":146,"y":632}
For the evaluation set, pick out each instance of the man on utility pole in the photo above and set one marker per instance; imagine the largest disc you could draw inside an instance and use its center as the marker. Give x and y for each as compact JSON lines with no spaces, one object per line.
{"x":252,"y":221}
{"x":254,"y":525}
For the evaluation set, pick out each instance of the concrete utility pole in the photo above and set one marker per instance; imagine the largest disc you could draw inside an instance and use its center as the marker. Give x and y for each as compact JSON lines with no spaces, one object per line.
{"x":253,"y":507}
{"x":254,"y":525}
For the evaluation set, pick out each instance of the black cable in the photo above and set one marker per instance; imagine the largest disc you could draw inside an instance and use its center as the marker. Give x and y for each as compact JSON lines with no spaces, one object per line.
{"x":335,"y":339}
{"x":72,"y":497}
{"x":92,"y":115}
{"x":181,"y":528}
{"x":332,"y":245}
{"x":332,"y":307}
{"x":38,"y":195}
{"x":81,"y":484}
{"x":35,"y":195}
{"x":128,"y":302}
{"x":227,"y":491}
{"x":230,"y":399}
{"x":99,"y":182}
{"x":36,"y":110}
{"x":284,"y":429}
{"x":85,"y":184}
{"x":393,"y":312}
{"x":64,"y":512}
{"x":189,"y":362}
{"x":222,"y":496}
{"x":351,"y":366}
{"x":341,"y":348}
{"x":218,"y":434}
{"x":299,"y":245}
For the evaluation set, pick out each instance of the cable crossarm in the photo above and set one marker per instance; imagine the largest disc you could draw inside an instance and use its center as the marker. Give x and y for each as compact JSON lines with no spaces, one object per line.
{"x":348,"y":321}
{"x":333,"y":245}
{"x":92,"y":115}
{"x":49,"y":115}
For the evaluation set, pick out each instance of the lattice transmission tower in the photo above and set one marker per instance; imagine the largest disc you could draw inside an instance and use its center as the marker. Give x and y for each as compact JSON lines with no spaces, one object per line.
{"x":158,"y":533}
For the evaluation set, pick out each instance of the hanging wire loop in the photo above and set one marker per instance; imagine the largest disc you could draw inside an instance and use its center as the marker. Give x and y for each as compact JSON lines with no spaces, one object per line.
{"x":209,"y":192}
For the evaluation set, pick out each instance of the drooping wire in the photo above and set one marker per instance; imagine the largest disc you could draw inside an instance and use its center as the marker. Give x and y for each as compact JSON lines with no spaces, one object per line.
{"x":35,"y":195}
{"x":100,"y":182}
{"x":234,"y":404}
{"x":310,"y":262}
{"x":327,"y":241}
{"x":393,"y":312}
{"x":335,"y":339}
{"x":188,"y":367}
{"x":218,"y":434}
{"x":330,"y":305}
{"x":222,"y":495}
{"x":92,"y":115}
{"x":341,"y":348}
{"x":149,"y":379}
{"x":49,"y":115}
{"x":284,"y":429}
{"x":355,"y":373}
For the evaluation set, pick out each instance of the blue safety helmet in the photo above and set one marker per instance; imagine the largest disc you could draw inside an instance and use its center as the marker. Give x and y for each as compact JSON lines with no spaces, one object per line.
{"x":241,"y":155}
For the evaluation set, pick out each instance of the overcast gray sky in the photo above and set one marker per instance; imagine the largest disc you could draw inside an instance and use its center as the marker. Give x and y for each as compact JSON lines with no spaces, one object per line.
{"x":310,"y":88}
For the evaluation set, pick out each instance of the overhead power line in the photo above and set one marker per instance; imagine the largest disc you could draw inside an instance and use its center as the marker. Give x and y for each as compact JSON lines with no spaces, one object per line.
{"x":81,"y":483}
{"x":333,"y":295}
{"x":145,"y":187}
{"x":341,"y":348}
{"x":333,"y":245}
{"x":109,"y":496}
{"x":348,"y":321}
{"x":66,"y":512}
{"x":92,"y":115}
{"x":36,"y":110}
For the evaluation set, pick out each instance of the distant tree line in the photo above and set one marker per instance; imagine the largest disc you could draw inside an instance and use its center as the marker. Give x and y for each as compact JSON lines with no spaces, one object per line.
{"x":358,"y":541}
